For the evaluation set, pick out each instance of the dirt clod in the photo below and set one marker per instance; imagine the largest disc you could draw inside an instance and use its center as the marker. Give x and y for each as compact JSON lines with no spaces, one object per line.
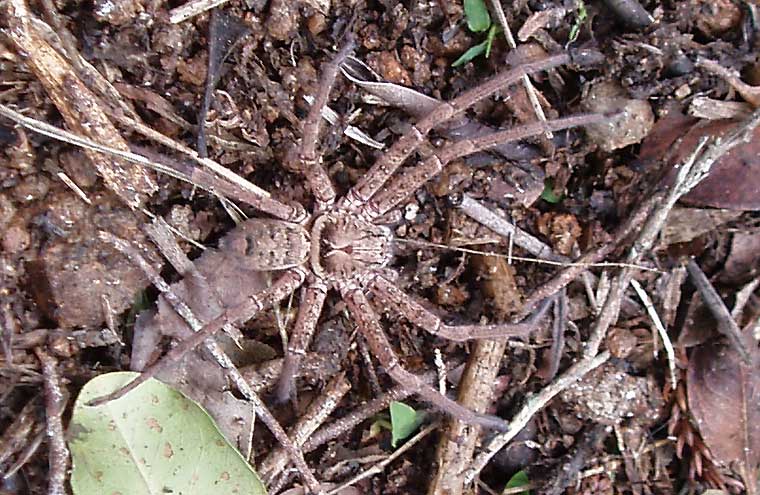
{"x":16,"y":238}
{"x":388,"y":65}
{"x":630,"y":119}
{"x":117,"y":12}
{"x":562,"y":230}
{"x":608,"y":395}
{"x":78,"y":271}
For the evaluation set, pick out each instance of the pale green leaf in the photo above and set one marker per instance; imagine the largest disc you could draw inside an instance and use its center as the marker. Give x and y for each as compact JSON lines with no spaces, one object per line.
{"x":581,"y":17}
{"x":518,"y":480}
{"x":152,"y":441}
{"x":404,"y":421}
{"x":471,"y":53}
{"x":476,"y":12}
{"x":548,"y":193}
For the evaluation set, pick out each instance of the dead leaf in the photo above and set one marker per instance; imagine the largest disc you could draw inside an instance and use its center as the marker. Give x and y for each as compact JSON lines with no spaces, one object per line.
{"x":743,"y":262}
{"x":733,"y":182}
{"x":724,"y":399}
{"x":541,"y":20}
{"x":685,"y":224}
{"x":409,"y":100}
{"x":660,"y":140}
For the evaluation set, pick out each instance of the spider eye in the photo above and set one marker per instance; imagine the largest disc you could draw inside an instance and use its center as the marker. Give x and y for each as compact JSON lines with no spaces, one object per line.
{"x":250,"y":245}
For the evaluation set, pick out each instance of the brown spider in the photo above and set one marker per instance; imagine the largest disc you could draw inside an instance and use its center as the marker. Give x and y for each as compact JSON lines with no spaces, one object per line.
{"x":343,"y":245}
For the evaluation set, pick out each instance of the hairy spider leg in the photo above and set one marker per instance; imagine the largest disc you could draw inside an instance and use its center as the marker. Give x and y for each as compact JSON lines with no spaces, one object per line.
{"x":306,"y":323}
{"x":229,"y":188}
{"x":410,"y":180}
{"x":393,"y":297}
{"x":387,"y":164}
{"x":321,"y":187}
{"x":370,"y":328}
{"x":308,"y":157}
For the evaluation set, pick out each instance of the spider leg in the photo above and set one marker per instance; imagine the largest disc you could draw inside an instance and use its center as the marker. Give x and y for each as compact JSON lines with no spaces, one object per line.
{"x":409,"y":181}
{"x":309,"y":158}
{"x":231,"y":186}
{"x":306,"y":322}
{"x":392,"y":296}
{"x":389,"y":162}
{"x":369,"y":326}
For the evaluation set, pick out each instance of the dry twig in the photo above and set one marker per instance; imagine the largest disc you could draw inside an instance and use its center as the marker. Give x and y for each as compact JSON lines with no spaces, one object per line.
{"x":567,"y":471}
{"x":476,"y":391}
{"x":191,"y":9}
{"x":657,"y":322}
{"x":18,"y":432}
{"x":750,"y":93}
{"x":33,"y":443}
{"x":55,"y":403}
{"x":529,"y":89}
{"x":80,"y":108}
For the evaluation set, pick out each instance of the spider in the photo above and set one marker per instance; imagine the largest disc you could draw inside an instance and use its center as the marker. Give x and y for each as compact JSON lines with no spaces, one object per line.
{"x":344,"y":244}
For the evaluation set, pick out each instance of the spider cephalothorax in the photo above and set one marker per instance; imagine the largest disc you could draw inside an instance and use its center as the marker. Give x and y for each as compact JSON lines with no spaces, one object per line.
{"x":345,"y":247}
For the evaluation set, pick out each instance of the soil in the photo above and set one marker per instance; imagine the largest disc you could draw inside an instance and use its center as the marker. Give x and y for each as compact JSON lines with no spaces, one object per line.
{"x":61,"y":285}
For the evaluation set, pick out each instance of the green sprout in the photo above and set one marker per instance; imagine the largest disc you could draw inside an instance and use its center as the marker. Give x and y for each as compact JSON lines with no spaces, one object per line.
{"x":548,"y":193}
{"x":478,"y":21}
{"x":579,"y":20}
{"x":402,"y":422}
{"x":519,"y":480}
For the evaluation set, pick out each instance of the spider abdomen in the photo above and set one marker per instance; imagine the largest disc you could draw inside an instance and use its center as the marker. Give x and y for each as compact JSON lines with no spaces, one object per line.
{"x":266,"y":244}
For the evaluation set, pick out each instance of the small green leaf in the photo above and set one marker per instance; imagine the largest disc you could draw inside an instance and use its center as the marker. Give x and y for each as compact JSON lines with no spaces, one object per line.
{"x":471,"y":53}
{"x":579,"y":20}
{"x":548,"y":193}
{"x":404,"y":420}
{"x":489,"y":39}
{"x":476,"y":12}
{"x":519,"y":479}
{"x":152,"y":441}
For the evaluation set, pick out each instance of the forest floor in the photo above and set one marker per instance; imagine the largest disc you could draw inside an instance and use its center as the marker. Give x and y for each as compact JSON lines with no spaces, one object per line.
{"x":642,"y":378}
